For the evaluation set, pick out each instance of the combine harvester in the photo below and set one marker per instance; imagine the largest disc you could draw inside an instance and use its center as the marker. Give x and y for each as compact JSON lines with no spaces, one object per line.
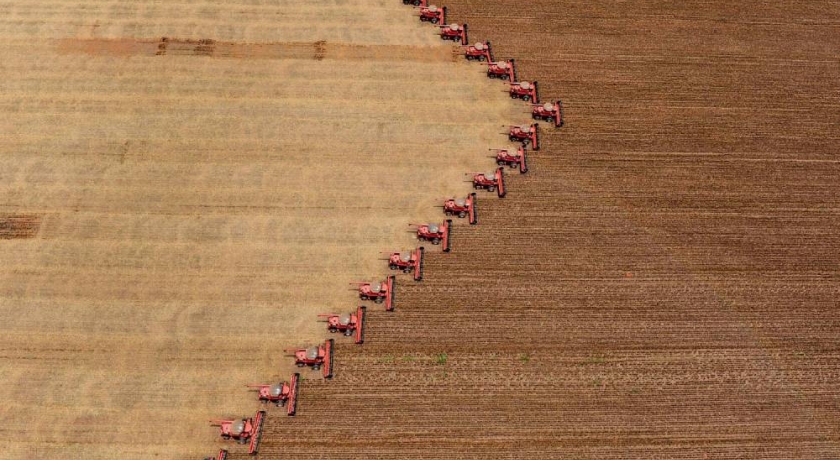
{"x":511,"y":158}
{"x":316,"y":357}
{"x":461,"y":207}
{"x":527,"y":91}
{"x":493,"y":181}
{"x":349,"y":324}
{"x":281,"y":394}
{"x":454,"y":32}
{"x":223,"y":455}
{"x":378,"y":292}
{"x":502,"y":70}
{"x":244,"y":430}
{"x":433,"y":14}
{"x":410,"y":261}
{"x":436,"y":234}
{"x":551,"y":112}
{"x":479,"y":52}
{"x":526,"y":134}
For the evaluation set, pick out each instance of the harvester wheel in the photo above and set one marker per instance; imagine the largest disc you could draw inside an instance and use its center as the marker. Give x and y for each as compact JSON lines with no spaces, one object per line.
{"x":300,"y":364}
{"x":462,"y":214}
{"x":500,"y":162}
{"x":316,"y":366}
{"x":491,"y":188}
{"x":513,"y":95}
{"x":348,"y":333}
{"x":333,"y":330}
{"x":434,"y":21}
{"x":512,"y":165}
{"x":392,"y":267}
{"x":379,"y":300}
{"x":435,"y":240}
{"x":363,"y":297}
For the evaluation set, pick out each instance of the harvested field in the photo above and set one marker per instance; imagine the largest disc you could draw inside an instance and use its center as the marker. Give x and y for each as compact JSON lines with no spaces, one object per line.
{"x":663,"y":284}
{"x":171,"y":221}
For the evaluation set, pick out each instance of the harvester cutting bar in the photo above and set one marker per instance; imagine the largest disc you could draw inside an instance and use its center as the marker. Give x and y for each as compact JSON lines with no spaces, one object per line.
{"x":329,"y":347}
{"x":253,"y":448}
{"x":505,"y":70}
{"x":360,"y":329}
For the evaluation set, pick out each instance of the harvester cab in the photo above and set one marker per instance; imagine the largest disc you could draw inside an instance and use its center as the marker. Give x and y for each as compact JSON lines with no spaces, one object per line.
{"x":243,"y":430}
{"x":527,"y":91}
{"x":479,"y":52}
{"x":492,"y":181}
{"x":436,"y":234}
{"x":461,"y":207}
{"x":316,"y":357}
{"x":454,"y":32}
{"x":526,"y":134}
{"x":349,"y":324}
{"x":408,"y":261}
{"x":512,"y":158}
{"x":551,"y":112}
{"x":378,"y":292}
{"x":433,"y":14}
{"x":503,"y":70}
{"x":281,"y":393}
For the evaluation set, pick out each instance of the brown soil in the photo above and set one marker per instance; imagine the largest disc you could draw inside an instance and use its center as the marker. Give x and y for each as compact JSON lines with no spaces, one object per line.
{"x":663,"y":284}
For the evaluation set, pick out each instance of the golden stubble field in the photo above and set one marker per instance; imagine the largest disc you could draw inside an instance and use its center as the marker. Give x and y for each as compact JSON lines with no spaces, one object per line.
{"x":187,"y":213}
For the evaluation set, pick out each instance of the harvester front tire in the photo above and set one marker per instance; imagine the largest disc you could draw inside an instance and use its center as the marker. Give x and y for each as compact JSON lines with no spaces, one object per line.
{"x":436,"y":241}
{"x":491,"y":188}
{"x":378,"y":300}
{"x":462,"y":214}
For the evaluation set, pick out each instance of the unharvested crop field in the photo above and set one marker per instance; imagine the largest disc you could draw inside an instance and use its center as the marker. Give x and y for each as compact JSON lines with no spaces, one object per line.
{"x":183,"y":186}
{"x":663,"y":284}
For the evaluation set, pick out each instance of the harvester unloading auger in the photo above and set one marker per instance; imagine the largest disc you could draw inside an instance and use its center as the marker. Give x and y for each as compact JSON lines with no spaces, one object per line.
{"x":281,"y":394}
{"x":408,"y":262}
{"x":349,"y":324}
{"x":434,"y":233}
{"x":378,"y":292}
{"x":242,"y":430}
{"x":461,"y":207}
{"x":316,"y":357}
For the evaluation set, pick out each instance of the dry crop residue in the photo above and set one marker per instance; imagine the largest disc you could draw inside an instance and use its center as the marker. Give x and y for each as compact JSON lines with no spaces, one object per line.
{"x":663,"y":283}
{"x":205,"y":203}
{"x":14,"y":227}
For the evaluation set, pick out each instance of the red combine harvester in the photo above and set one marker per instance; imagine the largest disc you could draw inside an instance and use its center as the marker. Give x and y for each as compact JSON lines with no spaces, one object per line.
{"x":281,"y":394}
{"x":408,"y":262}
{"x":378,"y":292}
{"x":526,"y":134}
{"x":421,"y":3}
{"x":461,"y":208}
{"x":317,"y":357}
{"x":490,"y":181}
{"x":454,"y":32}
{"x":525,"y":91}
{"x":223,"y":455}
{"x":550,"y":111}
{"x":512,"y":158}
{"x":244,"y":430}
{"x":479,"y":52}
{"x":503,"y":70}
{"x":433,"y":14}
{"x":347,"y":323}
{"x":436,"y":234}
